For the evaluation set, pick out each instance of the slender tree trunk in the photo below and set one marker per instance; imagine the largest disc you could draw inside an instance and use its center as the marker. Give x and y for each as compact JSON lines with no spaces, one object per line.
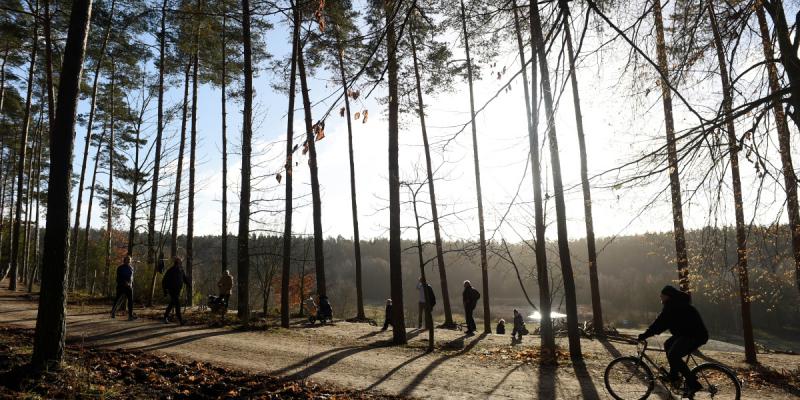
{"x":192,"y":153}
{"x":110,"y":208}
{"x":741,"y":234}
{"x":784,"y":144}
{"x":38,"y":181}
{"x":594,"y":283}
{"x":48,"y":345}
{"x":176,"y":207}
{"x":151,"y":221}
{"x":487,"y":316}
{"x":558,"y":189}
{"x":542,"y":276}
{"x":287,"y":218}
{"x":136,"y":177}
{"x":89,"y":215}
{"x":243,"y":242}
{"x":224,"y":140}
{"x":3,"y":164}
{"x":11,"y":170}
{"x":448,"y":314}
{"x":23,"y":144}
{"x":26,"y":244}
{"x":428,"y":316}
{"x":789,"y":56}
{"x":87,"y":142}
{"x":672,"y":153}
{"x":353,"y":201}
{"x":316,"y":198}
{"x":395,"y":249}
{"x":48,"y":63}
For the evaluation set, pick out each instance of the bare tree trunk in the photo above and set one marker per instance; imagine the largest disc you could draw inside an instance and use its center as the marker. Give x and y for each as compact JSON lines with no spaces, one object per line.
{"x":789,"y":57}
{"x":26,"y":244}
{"x":48,"y":345}
{"x":136,"y":177}
{"x":176,"y":208}
{"x":594,"y":283}
{"x":316,"y":199}
{"x":428,"y":316}
{"x":192,"y":152}
{"x":38,"y":181}
{"x":672,"y":153}
{"x":23,"y":144}
{"x":224,"y":140}
{"x":89,"y":215}
{"x":151,"y":222}
{"x":543,"y":279}
{"x":110,"y":209}
{"x":741,"y":234}
{"x":448,"y":314}
{"x":395,"y":245}
{"x":784,"y":144}
{"x":354,"y":204}
{"x":558,"y":189}
{"x":243,"y":242}
{"x":87,"y":142}
{"x":487,"y":316}
{"x":287,"y":221}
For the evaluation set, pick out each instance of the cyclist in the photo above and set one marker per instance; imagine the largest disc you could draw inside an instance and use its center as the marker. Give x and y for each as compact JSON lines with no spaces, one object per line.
{"x":688,"y":334}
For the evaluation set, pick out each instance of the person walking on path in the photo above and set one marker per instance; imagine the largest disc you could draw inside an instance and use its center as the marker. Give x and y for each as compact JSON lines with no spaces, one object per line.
{"x":519,"y":327}
{"x":124,"y":287}
{"x":421,"y":302}
{"x":172,"y":283}
{"x":225,"y":285}
{"x":470,"y":298}
{"x":387,"y":318}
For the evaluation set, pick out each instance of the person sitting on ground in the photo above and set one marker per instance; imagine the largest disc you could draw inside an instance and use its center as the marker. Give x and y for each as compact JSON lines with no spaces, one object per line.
{"x":325,"y":311}
{"x":387,"y":316}
{"x":519,"y":327}
{"x":172,"y":283}
{"x":124,"y":287}
{"x":310,"y":307}
{"x":688,"y":334}
{"x":225,"y":285}
{"x":501,"y":327}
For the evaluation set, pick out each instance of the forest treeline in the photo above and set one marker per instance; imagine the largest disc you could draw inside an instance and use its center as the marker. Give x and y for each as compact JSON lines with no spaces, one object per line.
{"x":724,"y":77}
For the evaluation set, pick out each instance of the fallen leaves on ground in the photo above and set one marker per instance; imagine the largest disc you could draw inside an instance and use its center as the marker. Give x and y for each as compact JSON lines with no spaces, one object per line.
{"x":124,"y":374}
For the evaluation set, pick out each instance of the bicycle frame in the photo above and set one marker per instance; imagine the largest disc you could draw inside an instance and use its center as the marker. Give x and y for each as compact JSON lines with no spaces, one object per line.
{"x":657,"y":367}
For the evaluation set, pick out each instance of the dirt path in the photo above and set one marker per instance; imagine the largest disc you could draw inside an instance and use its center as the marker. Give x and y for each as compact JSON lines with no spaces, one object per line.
{"x":356,"y":355}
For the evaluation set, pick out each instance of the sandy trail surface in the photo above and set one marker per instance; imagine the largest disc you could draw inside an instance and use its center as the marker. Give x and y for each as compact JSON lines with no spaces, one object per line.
{"x":358,"y":356}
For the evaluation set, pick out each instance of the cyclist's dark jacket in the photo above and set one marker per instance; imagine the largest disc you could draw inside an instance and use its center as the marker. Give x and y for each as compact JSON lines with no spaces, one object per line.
{"x":680,"y":318}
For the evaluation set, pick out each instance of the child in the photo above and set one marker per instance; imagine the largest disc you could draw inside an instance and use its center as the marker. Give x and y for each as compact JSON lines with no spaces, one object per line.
{"x":501,"y":327}
{"x":519,"y":327}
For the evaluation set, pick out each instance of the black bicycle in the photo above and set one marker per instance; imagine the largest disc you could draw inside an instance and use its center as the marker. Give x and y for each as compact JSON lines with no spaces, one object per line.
{"x":631,"y":377}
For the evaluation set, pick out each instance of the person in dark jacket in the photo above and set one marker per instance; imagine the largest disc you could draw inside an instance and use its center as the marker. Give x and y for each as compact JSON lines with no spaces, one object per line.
{"x":519,"y":327}
{"x":124,"y":287}
{"x":387,"y":317}
{"x":172,"y":283}
{"x":325,"y":311}
{"x":688,"y":334}
{"x":501,"y":327}
{"x":470,"y":298}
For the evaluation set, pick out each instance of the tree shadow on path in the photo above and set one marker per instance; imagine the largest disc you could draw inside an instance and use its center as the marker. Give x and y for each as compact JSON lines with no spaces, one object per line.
{"x":436,"y":363}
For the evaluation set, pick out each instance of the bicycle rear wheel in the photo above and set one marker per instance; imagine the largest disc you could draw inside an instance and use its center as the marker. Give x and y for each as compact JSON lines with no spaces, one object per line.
{"x":628,"y":378}
{"x":719,"y":383}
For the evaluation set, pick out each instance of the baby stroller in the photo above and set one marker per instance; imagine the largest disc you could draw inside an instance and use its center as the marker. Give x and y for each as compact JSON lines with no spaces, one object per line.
{"x":218,"y":304}
{"x":321,"y":313}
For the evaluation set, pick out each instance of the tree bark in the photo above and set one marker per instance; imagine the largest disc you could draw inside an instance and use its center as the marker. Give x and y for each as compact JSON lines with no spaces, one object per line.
{"x":784,"y":144}
{"x":672,"y":153}
{"x":26,"y":244}
{"x":38,"y":181}
{"x":151,"y":221}
{"x":448,"y":314}
{"x":89,"y":215}
{"x":48,"y":345}
{"x":287,"y":217}
{"x":110,"y":209}
{"x":395,"y":245}
{"x":316,"y":199}
{"x":243,"y":242}
{"x":558,"y":189}
{"x":487,"y":316}
{"x":741,"y":234}
{"x":176,"y":207}
{"x":594,"y":283}
{"x":23,"y":144}
{"x":542,"y":275}
{"x":87,"y":143}
{"x":136,"y":177}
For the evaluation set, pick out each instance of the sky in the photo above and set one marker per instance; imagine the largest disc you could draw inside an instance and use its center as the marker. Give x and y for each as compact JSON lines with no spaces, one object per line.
{"x":618,"y":127}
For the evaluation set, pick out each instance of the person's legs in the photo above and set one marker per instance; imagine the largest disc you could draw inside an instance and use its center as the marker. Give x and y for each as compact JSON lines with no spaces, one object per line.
{"x":128,"y":291}
{"x":176,"y":300}
{"x":116,"y":302}
{"x":421,"y":309}
{"x":681,"y":347}
{"x":470,"y":321}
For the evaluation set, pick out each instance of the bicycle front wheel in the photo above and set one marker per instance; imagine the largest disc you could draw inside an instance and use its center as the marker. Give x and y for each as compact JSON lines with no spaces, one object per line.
{"x":628,"y":378}
{"x":719,"y":383}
